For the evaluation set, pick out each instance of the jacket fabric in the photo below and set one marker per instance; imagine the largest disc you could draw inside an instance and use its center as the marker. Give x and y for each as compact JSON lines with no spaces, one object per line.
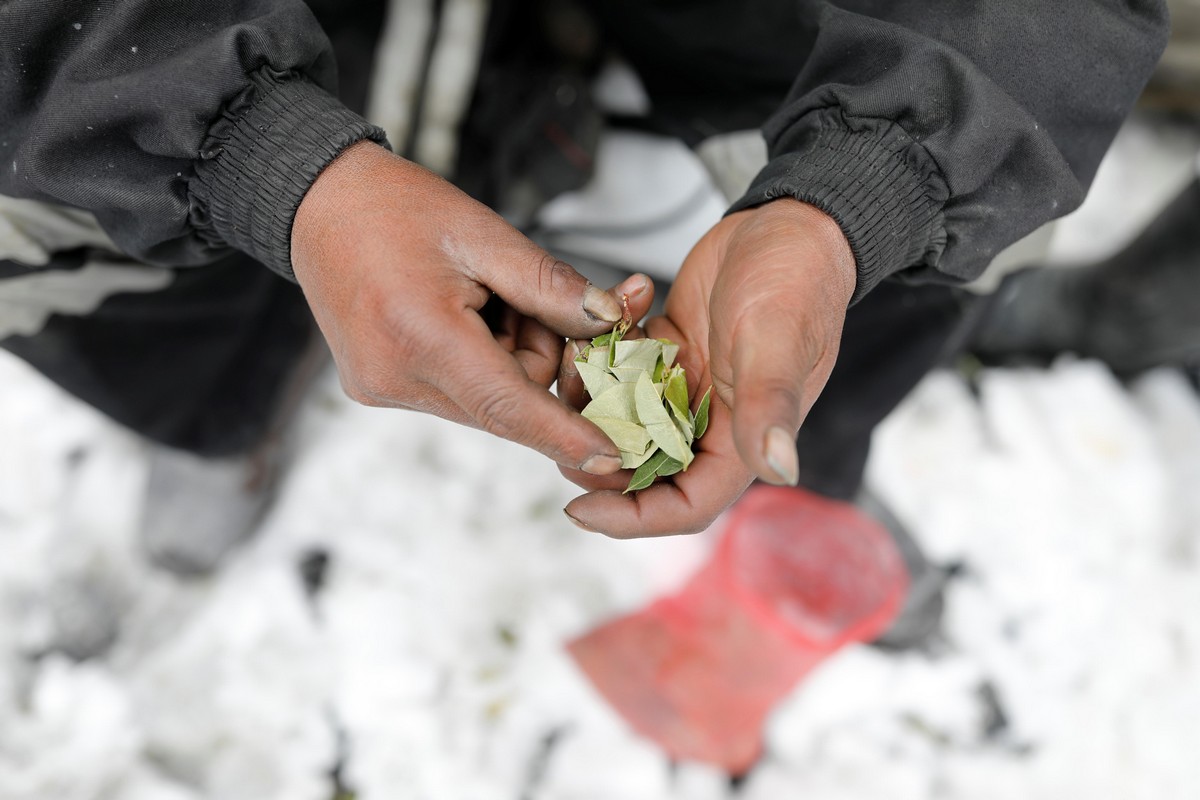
{"x":935,"y":133}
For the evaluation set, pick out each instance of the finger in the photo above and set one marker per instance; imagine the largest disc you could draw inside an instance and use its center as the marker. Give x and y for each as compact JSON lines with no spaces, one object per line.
{"x":494,"y":390}
{"x":570,"y":385}
{"x":778,"y":368}
{"x":541,"y":286}
{"x":635,"y":293}
{"x":687,"y":503}
{"x":597,"y":483}
{"x":538,"y":350}
{"x":502,"y":320}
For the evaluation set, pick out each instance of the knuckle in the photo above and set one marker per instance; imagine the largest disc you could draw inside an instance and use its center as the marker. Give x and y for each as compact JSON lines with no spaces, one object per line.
{"x":367,"y":383}
{"x":776,"y":396}
{"x":356,"y":392}
{"x":553,"y":274}
{"x":498,"y":412}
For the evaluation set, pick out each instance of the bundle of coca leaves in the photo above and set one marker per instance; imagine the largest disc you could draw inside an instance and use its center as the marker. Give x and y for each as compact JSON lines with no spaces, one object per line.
{"x":639,"y":398}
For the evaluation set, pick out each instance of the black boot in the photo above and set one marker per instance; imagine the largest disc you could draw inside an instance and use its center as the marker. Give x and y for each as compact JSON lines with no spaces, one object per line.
{"x":1137,"y":310}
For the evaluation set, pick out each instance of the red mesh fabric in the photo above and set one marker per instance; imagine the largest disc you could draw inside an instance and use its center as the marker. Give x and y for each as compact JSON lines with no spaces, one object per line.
{"x":794,"y":577}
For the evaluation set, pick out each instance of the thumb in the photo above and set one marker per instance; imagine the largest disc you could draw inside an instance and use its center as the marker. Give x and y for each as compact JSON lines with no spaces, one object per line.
{"x":549,"y":290}
{"x":780,"y":363}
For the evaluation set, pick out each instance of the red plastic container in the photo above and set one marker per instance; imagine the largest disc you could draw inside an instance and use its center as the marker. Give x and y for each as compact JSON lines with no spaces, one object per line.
{"x":794,"y":577}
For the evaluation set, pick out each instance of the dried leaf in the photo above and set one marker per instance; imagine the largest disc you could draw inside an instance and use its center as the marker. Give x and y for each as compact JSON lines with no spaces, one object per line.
{"x":675,"y":392}
{"x":648,"y":401}
{"x":684,"y":426}
{"x":644,"y":476}
{"x":640,"y":400}
{"x":598,"y":357}
{"x":617,"y":402}
{"x":668,"y":437}
{"x":670,"y":351}
{"x":640,"y":354}
{"x":627,"y":436}
{"x":631,"y":461}
{"x":654,"y":416}
{"x":595,"y":379}
{"x":627,"y":374}
{"x":701,"y":421}
{"x":669,"y":468}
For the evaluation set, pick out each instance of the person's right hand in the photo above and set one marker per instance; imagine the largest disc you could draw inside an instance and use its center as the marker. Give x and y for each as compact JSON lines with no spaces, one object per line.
{"x":397,"y":265}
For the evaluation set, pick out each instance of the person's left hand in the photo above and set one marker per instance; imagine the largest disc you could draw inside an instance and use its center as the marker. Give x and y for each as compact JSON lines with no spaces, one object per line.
{"x":758,"y":309}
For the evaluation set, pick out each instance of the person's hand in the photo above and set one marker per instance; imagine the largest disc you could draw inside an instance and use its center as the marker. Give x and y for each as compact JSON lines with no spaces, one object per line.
{"x":398,"y":266}
{"x":758,"y":310}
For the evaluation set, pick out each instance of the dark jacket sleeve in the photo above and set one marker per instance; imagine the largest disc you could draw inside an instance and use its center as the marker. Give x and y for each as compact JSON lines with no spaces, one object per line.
{"x":939,"y":133}
{"x":186,"y":127}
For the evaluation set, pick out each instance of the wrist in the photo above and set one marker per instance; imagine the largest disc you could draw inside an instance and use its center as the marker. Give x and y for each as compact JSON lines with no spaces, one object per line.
{"x":260,"y":157}
{"x":335,"y":202}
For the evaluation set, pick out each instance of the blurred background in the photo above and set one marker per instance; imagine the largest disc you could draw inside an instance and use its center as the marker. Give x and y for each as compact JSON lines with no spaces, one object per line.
{"x":396,"y":626}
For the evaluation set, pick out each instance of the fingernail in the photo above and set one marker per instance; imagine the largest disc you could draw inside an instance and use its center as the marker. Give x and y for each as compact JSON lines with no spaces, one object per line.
{"x":578,"y":523}
{"x":601,"y":465}
{"x":780,"y":453}
{"x":638,"y":284}
{"x":600,"y":304}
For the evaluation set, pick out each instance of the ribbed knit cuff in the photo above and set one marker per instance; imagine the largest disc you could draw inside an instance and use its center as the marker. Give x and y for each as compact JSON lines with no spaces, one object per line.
{"x":261,"y":159}
{"x":875,"y":184}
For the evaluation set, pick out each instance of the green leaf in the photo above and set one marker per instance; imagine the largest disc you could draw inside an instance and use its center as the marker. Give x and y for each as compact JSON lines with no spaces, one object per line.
{"x":638,"y":354}
{"x":649,"y":404}
{"x":659,"y":425}
{"x":598,"y":357}
{"x":702,"y":414}
{"x":596,"y":380}
{"x":602,"y":340}
{"x":669,"y":438}
{"x":669,"y":468}
{"x":684,"y":426}
{"x":627,"y":436}
{"x":675,"y":392}
{"x":644,"y":476}
{"x":617,"y":402}
{"x":627,"y":374}
{"x":631,"y":461}
{"x":670,"y":351}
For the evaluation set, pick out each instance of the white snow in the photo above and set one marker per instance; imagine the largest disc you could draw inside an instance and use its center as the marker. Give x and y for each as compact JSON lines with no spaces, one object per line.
{"x":436,"y":648}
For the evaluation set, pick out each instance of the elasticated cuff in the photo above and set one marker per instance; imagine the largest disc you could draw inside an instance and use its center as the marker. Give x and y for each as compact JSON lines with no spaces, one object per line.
{"x":877,"y":184}
{"x":261,"y":158}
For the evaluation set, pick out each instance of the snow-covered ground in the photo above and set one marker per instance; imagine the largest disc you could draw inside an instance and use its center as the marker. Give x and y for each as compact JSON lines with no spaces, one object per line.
{"x":431,"y":664}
